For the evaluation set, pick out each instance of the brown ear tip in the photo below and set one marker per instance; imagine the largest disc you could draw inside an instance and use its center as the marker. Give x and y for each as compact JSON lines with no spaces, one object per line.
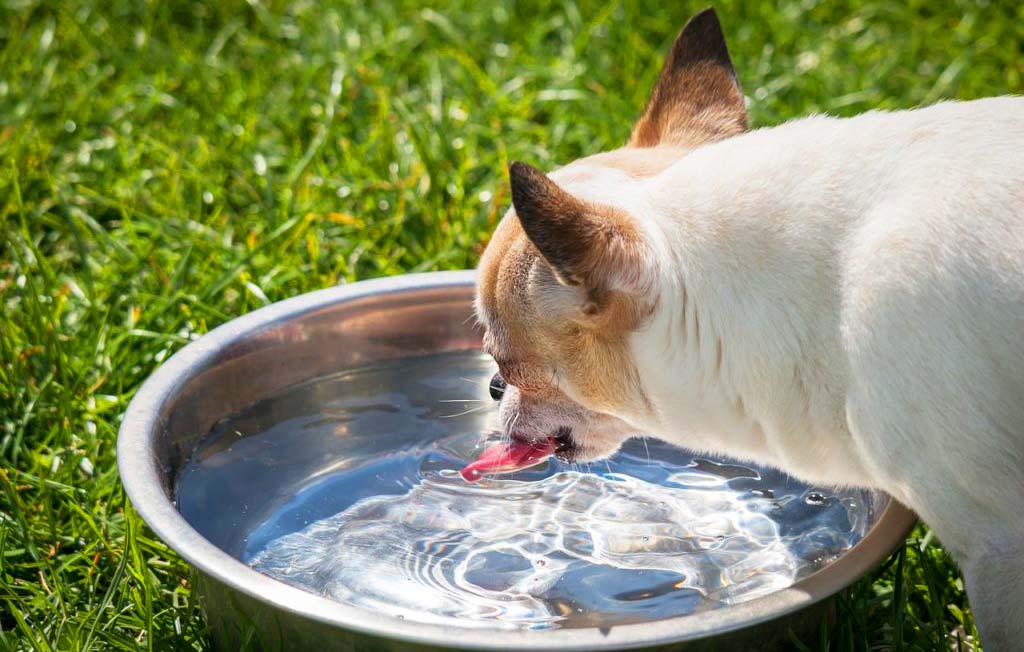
{"x":518,"y":172}
{"x":524,"y":179}
{"x":705,"y":13}
{"x":520,"y":169}
{"x":702,"y":39}
{"x":705,"y":20}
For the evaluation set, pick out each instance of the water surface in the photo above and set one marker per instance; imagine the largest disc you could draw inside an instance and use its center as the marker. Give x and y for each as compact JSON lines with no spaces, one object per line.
{"x":347,"y":487}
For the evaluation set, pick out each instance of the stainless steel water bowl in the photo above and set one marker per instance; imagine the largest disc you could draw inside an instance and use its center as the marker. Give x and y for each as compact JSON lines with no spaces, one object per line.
{"x":320,"y":333}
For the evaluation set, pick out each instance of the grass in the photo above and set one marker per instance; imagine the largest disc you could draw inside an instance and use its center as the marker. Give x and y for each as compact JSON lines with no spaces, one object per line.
{"x":167,"y":166}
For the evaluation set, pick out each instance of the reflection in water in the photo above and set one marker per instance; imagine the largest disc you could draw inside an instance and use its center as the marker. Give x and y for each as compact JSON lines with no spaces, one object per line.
{"x":348,"y":487}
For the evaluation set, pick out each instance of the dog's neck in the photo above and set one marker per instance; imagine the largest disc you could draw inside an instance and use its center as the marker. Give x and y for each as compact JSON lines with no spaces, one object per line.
{"x":751,"y":231}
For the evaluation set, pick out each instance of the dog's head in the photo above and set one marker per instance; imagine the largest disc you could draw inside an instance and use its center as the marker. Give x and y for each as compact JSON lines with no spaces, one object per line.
{"x":571,"y":272}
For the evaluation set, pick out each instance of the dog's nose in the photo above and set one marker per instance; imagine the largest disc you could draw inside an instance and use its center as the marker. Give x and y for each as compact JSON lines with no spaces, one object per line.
{"x":497,"y":387}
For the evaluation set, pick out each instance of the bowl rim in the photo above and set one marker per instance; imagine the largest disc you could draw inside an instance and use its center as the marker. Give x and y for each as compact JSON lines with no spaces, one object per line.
{"x":141,"y":478}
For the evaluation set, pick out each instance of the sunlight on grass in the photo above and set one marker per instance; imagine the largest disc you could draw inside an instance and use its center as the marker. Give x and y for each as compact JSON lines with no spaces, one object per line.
{"x":165,"y":167}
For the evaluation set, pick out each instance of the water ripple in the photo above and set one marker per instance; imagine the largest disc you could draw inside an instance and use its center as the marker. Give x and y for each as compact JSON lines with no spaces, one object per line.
{"x":498,"y":552}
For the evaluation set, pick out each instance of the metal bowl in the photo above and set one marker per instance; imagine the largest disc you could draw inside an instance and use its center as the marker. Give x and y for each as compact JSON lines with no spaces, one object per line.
{"x":315,"y":334}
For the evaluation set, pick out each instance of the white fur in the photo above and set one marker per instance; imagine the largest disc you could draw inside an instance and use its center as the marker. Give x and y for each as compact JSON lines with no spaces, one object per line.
{"x":864,"y":280}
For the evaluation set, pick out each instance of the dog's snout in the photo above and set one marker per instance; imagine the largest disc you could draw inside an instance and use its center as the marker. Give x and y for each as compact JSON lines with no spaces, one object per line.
{"x":497,"y":387}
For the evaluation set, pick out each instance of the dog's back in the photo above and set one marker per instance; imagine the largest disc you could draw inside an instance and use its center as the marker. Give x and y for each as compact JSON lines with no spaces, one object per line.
{"x":933,"y":326}
{"x":933,"y":305}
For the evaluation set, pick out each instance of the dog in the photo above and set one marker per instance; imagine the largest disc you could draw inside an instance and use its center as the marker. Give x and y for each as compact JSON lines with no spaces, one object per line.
{"x":840,"y":298}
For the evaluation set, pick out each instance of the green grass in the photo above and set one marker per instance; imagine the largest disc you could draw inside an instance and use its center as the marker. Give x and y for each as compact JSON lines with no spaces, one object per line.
{"x":168,"y":166}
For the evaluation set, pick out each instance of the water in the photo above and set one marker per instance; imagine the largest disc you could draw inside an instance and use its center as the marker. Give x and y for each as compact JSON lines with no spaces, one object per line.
{"x":347,"y":487}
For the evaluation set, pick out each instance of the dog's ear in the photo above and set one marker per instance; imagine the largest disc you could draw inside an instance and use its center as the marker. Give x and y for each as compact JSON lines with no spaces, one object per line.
{"x":590,"y":245}
{"x":697,"y":98}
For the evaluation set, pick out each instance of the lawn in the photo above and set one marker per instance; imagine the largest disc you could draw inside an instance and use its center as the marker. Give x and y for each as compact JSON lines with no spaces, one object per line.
{"x":167,"y":166}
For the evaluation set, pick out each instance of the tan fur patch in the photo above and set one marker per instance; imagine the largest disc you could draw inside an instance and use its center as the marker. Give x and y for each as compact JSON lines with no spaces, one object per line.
{"x":639,"y":162}
{"x":531,"y":344}
{"x":707,"y":109}
{"x":602,"y":369}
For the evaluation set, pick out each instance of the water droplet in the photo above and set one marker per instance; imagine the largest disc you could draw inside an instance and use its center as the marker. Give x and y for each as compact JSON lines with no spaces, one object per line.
{"x":816,"y":499}
{"x":344,"y":191}
{"x":70,"y":126}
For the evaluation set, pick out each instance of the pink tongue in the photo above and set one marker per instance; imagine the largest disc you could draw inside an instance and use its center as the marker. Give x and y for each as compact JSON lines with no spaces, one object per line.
{"x":508,"y":457}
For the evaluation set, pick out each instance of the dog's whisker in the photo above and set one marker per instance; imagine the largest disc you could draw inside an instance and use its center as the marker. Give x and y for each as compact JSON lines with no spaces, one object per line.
{"x":471,"y":410}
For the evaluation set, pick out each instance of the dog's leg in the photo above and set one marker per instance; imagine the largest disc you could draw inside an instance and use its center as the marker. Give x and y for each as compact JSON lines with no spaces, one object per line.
{"x":989,"y":547}
{"x":994,"y":575}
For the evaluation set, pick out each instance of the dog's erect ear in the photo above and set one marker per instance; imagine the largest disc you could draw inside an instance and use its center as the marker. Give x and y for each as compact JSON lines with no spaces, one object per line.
{"x":590,"y":245}
{"x":697,"y":98}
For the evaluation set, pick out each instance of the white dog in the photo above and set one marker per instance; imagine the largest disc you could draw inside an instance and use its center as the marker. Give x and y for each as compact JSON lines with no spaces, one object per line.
{"x":840,"y":298}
